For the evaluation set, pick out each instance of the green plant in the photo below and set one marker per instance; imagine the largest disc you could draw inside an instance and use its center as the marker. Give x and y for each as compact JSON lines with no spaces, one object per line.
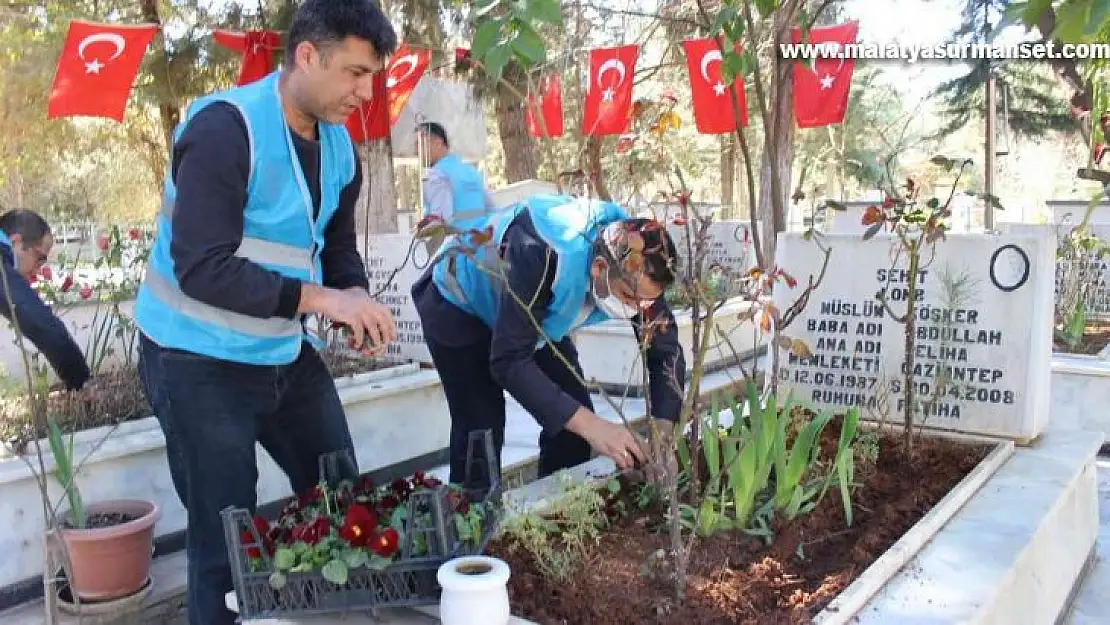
{"x":739,"y":493}
{"x":557,"y":538}
{"x":65,"y":472}
{"x":355,"y":524}
{"x":918,"y":225}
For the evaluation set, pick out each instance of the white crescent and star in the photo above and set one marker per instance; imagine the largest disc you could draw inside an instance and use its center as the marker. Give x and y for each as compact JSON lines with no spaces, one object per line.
{"x":831,"y":48}
{"x":410,"y":60}
{"x":709,"y":57}
{"x":94,"y":66}
{"x":615,"y":65}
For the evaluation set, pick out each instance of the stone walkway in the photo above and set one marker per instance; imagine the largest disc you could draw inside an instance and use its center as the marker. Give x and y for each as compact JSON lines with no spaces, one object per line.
{"x":1092,"y":601}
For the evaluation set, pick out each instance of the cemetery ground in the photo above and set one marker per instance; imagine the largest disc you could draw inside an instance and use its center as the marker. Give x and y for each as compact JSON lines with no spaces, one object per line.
{"x":966,"y":515}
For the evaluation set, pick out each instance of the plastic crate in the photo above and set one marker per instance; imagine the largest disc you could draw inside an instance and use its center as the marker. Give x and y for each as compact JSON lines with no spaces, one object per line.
{"x":409,"y":581}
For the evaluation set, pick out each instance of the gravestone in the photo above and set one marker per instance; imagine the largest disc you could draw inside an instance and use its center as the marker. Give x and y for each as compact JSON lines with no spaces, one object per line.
{"x":392,"y":270}
{"x":1092,"y":270}
{"x":984,"y":330}
{"x":729,"y":242}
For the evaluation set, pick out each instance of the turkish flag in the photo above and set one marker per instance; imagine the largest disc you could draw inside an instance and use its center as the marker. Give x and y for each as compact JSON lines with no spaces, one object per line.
{"x":821,"y":91}
{"x":403,"y":73}
{"x":370,"y":120}
{"x":609,"y":92}
{"x":257,"y":48}
{"x":97,"y":68}
{"x":713,"y":112}
{"x":550,"y":109}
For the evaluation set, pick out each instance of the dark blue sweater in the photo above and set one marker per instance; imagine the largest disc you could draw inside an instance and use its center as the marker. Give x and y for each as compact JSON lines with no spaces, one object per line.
{"x":514,"y":335}
{"x":40,"y":325}
{"x":211,"y":167}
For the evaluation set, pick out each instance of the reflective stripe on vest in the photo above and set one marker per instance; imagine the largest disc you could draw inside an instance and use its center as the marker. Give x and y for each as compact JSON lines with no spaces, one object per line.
{"x":273,"y":327}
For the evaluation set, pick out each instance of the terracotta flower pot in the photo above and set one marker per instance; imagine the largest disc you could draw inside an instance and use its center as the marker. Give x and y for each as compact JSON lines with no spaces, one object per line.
{"x":112,"y":561}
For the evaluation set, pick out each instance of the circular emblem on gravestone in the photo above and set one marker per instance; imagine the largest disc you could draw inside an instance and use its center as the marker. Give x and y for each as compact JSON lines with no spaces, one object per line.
{"x":1009,"y":267}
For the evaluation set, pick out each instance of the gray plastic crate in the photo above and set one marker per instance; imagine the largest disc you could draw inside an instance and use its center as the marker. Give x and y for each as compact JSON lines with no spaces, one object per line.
{"x":410,"y":581}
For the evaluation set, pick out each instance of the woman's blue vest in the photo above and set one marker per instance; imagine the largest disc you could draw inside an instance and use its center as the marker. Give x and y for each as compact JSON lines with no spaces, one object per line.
{"x":569,"y":225}
{"x":468,"y":192}
{"x":279,"y":233}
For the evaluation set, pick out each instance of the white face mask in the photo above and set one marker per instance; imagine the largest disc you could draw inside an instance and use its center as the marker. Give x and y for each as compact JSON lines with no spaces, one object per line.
{"x":612,"y":305}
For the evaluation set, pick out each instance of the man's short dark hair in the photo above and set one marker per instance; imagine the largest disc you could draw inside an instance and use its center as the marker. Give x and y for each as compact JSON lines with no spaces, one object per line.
{"x":436,"y":130}
{"x":660,"y":253}
{"x":26,"y":223}
{"x":327,"y":22}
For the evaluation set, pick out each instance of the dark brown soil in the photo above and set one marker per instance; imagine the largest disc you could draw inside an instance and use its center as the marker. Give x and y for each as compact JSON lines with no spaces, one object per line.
{"x":736,"y":578}
{"x":98,"y":520}
{"x":1095,"y":337}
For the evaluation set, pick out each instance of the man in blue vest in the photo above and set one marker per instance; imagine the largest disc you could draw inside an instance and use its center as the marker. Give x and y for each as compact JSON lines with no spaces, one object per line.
{"x":257,"y":232}
{"x":560,"y":263}
{"x":453,"y":190}
{"x":25,"y":244}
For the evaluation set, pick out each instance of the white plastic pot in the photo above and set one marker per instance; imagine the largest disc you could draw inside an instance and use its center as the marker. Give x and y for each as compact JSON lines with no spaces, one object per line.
{"x":475,"y":590}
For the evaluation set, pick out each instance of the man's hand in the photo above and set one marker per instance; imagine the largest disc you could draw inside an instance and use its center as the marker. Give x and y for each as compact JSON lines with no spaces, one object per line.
{"x":370,"y":324}
{"x":608,"y":439}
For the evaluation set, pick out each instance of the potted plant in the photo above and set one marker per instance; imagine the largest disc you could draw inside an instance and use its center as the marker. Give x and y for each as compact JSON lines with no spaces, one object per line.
{"x":105,"y":548}
{"x":108,"y":544}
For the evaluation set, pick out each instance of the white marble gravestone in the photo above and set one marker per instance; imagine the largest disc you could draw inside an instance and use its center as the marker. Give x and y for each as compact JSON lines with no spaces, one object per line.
{"x":992,"y":335}
{"x":387,"y":254}
{"x":730,"y":245}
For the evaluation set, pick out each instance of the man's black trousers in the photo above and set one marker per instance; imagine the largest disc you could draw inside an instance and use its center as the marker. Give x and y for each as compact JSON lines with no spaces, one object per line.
{"x":477,"y":402}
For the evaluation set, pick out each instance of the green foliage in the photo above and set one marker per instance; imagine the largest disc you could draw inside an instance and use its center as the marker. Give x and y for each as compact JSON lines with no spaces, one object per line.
{"x":66,"y":473}
{"x":558,"y":537}
{"x":739,"y":493}
{"x":357,"y":525}
{"x":1028,"y":94}
{"x":1076,"y":20}
{"x":506,"y":32}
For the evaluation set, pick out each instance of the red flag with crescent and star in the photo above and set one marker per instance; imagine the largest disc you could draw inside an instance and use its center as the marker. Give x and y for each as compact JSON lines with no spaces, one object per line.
{"x":97,"y":68}
{"x":609,"y":93}
{"x":257,"y":48}
{"x":821,"y":89}
{"x":403,"y":73}
{"x":549,"y":109}
{"x":370,"y":121}
{"x":713,"y":110}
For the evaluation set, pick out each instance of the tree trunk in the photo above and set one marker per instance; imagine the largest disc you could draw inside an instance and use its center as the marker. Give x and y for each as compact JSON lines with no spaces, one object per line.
{"x":520,"y":150}
{"x":728,"y":176}
{"x":169,"y":112}
{"x":377,"y":199}
{"x":1067,"y":71}
{"x":593,"y":170}
{"x":778,"y":150}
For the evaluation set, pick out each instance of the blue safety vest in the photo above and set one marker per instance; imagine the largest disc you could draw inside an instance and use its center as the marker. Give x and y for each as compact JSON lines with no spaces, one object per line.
{"x":279,"y":233}
{"x":468,"y":192}
{"x":569,"y":225}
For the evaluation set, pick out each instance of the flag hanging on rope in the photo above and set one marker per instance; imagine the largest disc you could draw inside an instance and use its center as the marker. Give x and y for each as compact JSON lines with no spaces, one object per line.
{"x":257,"y":48}
{"x":821,"y":85}
{"x":608,"y":107}
{"x":97,"y":68}
{"x":370,"y":121}
{"x":713,"y":107}
{"x":549,"y":109}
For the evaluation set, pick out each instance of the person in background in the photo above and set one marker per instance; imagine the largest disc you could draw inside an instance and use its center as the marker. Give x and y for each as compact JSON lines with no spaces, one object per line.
{"x":568,"y":263}
{"x":257,"y":233}
{"x":25,"y":244}
{"x":454,"y":190}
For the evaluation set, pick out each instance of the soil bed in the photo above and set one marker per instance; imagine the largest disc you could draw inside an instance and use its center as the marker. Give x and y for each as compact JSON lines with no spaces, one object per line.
{"x":1096,"y":336}
{"x":737,"y":578}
